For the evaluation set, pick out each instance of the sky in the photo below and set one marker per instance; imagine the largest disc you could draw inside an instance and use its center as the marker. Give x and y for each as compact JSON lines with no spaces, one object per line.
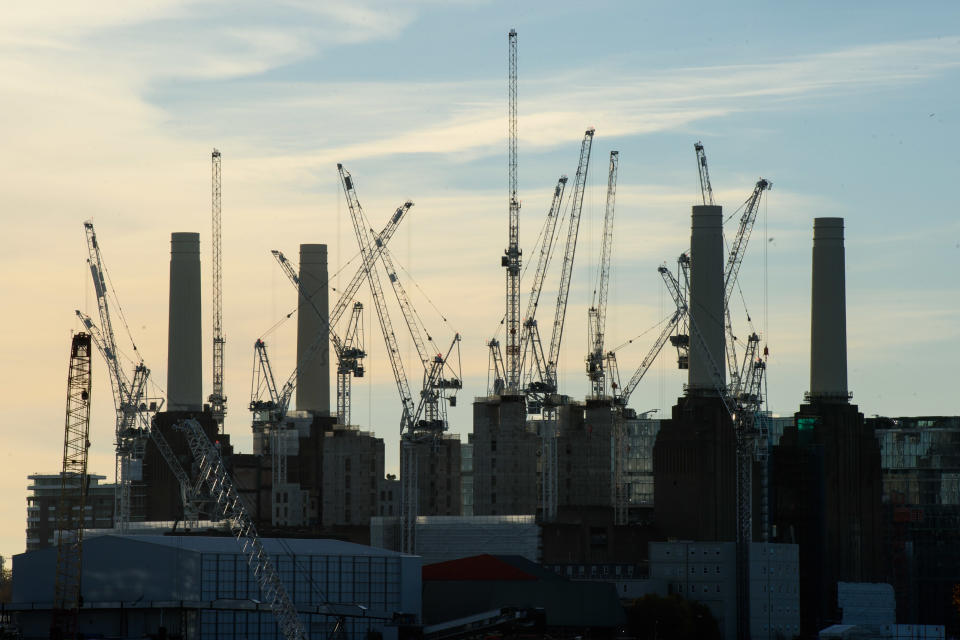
{"x":110,"y":113}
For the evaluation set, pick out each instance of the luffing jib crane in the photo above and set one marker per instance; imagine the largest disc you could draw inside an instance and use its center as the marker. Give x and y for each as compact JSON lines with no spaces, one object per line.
{"x":426,"y":421}
{"x":534,"y":362}
{"x":408,"y":419}
{"x":134,"y":410}
{"x":705,"y":189}
{"x":566,"y":273}
{"x":597,"y":314}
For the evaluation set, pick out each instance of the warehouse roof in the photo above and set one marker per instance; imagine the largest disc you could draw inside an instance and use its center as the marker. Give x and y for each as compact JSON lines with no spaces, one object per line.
{"x":276,"y":546}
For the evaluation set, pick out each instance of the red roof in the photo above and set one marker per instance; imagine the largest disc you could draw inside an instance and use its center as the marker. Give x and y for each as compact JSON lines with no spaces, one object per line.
{"x":482,"y":567}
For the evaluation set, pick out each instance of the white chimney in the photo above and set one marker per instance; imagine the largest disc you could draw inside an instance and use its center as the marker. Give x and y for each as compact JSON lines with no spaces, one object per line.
{"x":707,"y":371}
{"x":828,"y":317}
{"x":313,"y":379}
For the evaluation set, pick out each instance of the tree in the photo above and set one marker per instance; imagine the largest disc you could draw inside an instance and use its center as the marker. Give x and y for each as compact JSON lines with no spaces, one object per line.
{"x":653,"y":617}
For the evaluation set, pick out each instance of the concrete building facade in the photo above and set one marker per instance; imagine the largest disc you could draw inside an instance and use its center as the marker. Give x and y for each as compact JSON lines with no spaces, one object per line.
{"x":706,"y":572}
{"x":351,"y":471}
{"x":585,"y":454}
{"x":438,"y":477}
{"x":505,"y":455}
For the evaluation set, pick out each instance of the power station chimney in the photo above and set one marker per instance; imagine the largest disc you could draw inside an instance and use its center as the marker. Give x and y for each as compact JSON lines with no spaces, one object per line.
{"x":184,"y":343}
{"x":313,"y":379}
{"x":707,"y":372}
{"x":828,"y":317}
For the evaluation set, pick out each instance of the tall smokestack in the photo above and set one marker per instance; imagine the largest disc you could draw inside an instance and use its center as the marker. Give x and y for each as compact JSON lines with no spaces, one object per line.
{"x":707,"y":371}
{"x":313,"y":379}
{"x":184,"y":348}
{"x":828,"y":317}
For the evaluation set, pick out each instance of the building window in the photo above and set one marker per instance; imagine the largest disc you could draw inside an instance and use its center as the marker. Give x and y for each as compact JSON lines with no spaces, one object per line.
{"x":493,"y":445}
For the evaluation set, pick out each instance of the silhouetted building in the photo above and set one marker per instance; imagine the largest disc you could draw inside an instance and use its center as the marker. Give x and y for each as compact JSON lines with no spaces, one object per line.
{"x":695,"y":470}
{"x":825,"y":496}
{"x":694,"y":458}
{"x":43,"y":504}
{"x":585,"y":454}
{"x":920,"y":459}
{"x":505,"y":454}
{"x":825,"y":490}
{"x":438,"y":476}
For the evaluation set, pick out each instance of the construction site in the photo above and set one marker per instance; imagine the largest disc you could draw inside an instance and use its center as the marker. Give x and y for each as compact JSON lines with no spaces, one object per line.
{"x":574,"y":490}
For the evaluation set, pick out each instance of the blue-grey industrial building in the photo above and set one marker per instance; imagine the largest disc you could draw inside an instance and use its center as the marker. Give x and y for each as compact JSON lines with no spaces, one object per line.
{"x":201,"y":587}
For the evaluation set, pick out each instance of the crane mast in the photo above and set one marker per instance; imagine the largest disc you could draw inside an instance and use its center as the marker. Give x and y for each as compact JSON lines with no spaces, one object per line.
{"x":218,"y":402}
{"x":511,"y":257}
{"x":73,"y":489}
{"x":597,"y":314}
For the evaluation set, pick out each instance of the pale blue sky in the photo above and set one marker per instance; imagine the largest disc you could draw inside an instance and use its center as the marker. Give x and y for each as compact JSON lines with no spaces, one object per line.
{"x":110,"y":114}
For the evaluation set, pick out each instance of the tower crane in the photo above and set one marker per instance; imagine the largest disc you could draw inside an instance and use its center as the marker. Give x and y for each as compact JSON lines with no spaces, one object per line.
{"x":576,"y":206}
{"x":435,"y":393}
{"x":128,"y":395}
{"x":408,"y":419}
{"x":533,"y":361}
{"x":597,"y":314}
{"x":511,"y":257}
{"x":427,"y":421}
{"x":548,"y":426}
{"x":193,"y":502}
{"x":738,"y":249}
{"x":218,"y":401}
{"x":73,"y":490}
